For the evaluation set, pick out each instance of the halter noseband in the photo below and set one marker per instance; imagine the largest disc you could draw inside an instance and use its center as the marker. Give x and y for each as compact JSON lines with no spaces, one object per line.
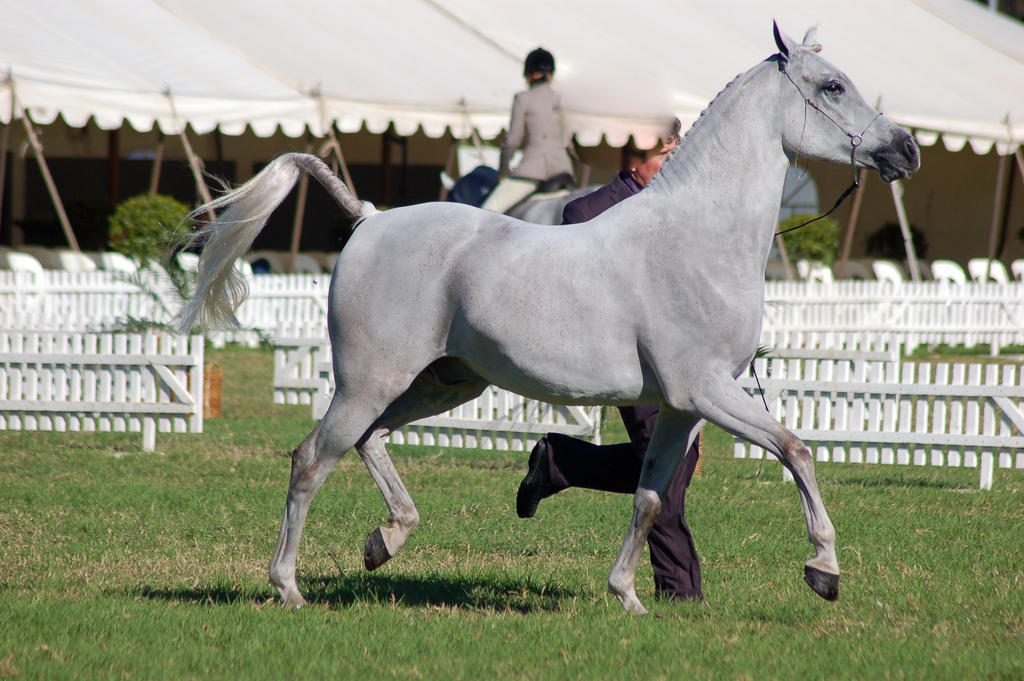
{"x":855,"y":141}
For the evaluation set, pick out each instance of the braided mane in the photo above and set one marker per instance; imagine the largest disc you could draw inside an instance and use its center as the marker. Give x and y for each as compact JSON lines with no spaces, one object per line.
{"x":696,"y":124}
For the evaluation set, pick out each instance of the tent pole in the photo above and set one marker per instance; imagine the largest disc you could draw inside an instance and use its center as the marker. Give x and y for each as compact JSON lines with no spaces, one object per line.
{"x":997,"y":211}
{"x":785,"y":257}
{"x":449,"y":167}
{"x":300,"y":214}
{"x":4,"y":145}
{"x":386,"y":168}
{"x":336,"y":145}
{"x":114,"y":165}
{"x":333,"y":145}
{"x":851,"y":225}
{"x":51,"y":187}
{"x":196,"y":164}
{"x":158,"y":159}
{"x":584,"y":175}
{"x":908,"y":241}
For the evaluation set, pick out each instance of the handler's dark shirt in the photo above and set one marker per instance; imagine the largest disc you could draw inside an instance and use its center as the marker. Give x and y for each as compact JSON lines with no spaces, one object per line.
{"x":596,"y":202}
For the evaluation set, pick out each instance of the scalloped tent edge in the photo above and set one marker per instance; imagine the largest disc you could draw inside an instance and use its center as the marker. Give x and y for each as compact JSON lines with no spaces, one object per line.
{"x":96,"y":61}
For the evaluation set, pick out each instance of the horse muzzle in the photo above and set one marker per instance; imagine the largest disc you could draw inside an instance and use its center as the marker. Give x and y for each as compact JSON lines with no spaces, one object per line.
{"x":899,"y":159}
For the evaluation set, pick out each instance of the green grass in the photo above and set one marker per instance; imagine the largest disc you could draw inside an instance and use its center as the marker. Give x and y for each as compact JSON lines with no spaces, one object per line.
{"x":121,"y":564}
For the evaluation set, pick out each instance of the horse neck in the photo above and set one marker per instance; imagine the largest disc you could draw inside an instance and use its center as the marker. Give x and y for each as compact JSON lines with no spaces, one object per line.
{"x":733,"y":154}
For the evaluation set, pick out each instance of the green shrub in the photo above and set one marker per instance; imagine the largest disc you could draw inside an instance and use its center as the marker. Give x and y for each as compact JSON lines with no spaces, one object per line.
{"x":818,"y":241}
{"x":146,"y":227}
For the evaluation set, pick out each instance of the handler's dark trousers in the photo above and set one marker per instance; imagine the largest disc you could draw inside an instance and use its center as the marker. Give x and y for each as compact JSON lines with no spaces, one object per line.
{"x":616,"y":468}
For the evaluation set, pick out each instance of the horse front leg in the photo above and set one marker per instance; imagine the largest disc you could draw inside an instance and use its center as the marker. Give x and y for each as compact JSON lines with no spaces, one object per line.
{"x":672,"y":437}
{"x":384,"y":542}
{"x":727,"y":405}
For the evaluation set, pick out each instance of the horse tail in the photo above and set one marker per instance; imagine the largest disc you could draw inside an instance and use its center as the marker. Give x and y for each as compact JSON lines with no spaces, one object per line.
{"x":221,"y":288}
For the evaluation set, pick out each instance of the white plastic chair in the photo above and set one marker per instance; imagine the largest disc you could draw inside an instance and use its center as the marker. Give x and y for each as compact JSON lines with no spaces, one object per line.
{"x":44,"y":255}
{"x":272,"y":259}
{"x":814,"y":271}
{"x":887,"y":270}
{"x":305,"y":264}
{"x":947,"y":270}
{"x":188,"y":261}
{"x":23,"y":262}
{"x":994,"y":269}
{"x":243,"y":266}
{"x":1017,"y":267}
{"x":70,"y":261}
{"x":96,"y":257}
{"x":112,"y":261}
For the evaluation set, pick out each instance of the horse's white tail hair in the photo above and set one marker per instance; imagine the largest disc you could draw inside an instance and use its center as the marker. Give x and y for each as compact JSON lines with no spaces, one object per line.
{"x":221,"y":288}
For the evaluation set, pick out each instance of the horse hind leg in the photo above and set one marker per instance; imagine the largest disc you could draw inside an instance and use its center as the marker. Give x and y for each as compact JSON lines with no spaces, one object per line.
{"x":312,"y":461}
{"x":384,"y":542}
{"x":727,"y":405}
{"x":443,"y":385}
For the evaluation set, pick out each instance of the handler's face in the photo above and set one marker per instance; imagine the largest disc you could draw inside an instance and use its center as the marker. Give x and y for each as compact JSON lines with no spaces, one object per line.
{"x":649,"y":168}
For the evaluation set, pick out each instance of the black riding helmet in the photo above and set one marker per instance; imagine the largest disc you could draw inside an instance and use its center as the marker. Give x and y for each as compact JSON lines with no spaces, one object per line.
{"x":539,"y":61}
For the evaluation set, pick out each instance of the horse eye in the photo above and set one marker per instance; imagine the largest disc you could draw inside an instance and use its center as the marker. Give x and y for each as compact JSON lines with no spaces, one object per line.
{"x":834,"y":88}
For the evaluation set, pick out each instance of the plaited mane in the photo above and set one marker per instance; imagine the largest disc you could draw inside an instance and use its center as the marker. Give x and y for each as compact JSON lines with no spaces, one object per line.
{"x":696,"y":124}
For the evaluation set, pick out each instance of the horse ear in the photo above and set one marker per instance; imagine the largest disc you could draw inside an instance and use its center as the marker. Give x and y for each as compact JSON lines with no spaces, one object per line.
{"x":780,"y":41}
{"x":811,"y":40}
{"x":677,"y":127}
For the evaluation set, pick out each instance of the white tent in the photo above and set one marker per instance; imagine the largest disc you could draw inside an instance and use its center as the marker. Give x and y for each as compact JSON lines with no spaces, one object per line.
{"x":949,"y":69}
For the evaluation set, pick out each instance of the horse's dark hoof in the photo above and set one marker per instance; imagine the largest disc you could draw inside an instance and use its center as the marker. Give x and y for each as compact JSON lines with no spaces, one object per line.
{"x":824,"y":584}
{"x":376,"y":551}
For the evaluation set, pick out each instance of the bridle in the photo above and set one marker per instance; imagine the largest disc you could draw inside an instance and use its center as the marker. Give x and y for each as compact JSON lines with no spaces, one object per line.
{"x":855,"y":141}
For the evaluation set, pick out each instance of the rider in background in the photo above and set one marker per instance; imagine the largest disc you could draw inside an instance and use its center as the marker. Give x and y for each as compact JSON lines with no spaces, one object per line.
{"x":536,"y":126}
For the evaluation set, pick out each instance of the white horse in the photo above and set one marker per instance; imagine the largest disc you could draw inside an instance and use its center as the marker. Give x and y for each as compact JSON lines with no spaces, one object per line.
{"x":546,"y":209}
{"x":657,"y":300}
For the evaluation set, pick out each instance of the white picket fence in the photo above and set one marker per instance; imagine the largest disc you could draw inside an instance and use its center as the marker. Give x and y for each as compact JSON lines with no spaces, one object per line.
{"x":879,"y":411}
{"x":833,"y":344}
{"x":497,"y":419}
{"x":104,"y":301}
{"x":80,"y":301}
{"x":101,"y":382}
{"x":929,"y":312}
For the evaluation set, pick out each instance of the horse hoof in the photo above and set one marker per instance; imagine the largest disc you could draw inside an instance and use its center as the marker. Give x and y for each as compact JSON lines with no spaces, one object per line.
{"x":292,"y":600}
{"x":376,"y":551}
{"x":824,"y":584}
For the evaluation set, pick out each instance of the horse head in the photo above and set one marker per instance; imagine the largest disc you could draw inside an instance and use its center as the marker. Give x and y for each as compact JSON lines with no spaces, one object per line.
{"x":825,"y":118}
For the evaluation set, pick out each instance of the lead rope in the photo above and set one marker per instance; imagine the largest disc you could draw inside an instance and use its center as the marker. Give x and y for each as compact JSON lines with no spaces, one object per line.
{"x":839,"y":201}
{"x":757,"y":380}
